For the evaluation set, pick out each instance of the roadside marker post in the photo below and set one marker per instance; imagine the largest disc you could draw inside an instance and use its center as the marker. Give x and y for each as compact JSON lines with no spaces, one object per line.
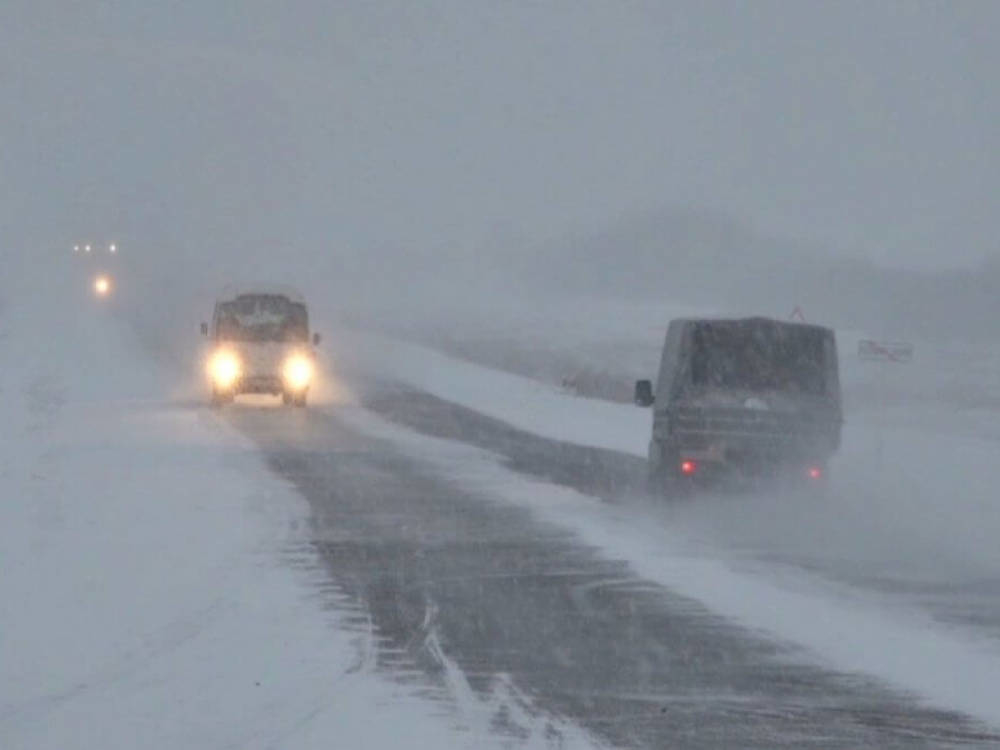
{"x":885,"y":354}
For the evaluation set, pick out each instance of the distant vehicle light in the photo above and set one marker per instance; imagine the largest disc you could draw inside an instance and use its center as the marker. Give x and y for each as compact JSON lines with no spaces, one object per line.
{"x":76,"y":248}
{"x":113,"y":248}
{"x":815,"y":472}
{"x":298,"y":372}
{"x":224,"y":369}
{"x":102,"y":286}
{"x":688,"y":467}
{"x":86,"y":248}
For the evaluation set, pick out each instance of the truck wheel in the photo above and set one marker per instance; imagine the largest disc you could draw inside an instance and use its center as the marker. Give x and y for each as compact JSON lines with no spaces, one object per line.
{"x":661,"y":476}
{"x":286,"y":398}
{"x":300,"y":400}
{"x":668,"y":484}
{"x":657,"y":483}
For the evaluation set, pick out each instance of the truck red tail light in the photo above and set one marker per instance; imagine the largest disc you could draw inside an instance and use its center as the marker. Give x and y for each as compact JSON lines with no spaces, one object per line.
{"x":688,"y":467}
{"x":815,"y":472}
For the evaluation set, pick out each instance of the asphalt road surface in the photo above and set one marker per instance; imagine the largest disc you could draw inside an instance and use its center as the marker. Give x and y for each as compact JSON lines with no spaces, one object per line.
{"x":446,"y":580}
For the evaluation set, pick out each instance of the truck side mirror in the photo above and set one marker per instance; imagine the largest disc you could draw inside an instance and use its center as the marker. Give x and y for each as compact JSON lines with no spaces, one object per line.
{"x":204,"y":329}
{"x":316,"y":339}
{"x":644,"y":393}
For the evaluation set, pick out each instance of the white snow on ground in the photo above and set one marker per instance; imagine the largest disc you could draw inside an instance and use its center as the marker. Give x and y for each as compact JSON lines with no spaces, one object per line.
{"x":841,"y":628}
{"x":525,"y":403}
{"x":157,"y":586}
{"x":557,"y":338}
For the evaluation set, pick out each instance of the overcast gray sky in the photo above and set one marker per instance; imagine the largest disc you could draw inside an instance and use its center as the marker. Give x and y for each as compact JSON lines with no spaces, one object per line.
{"x":387,"y":125}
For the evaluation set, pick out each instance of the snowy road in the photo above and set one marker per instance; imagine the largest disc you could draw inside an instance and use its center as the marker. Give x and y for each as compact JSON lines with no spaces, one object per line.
{"x":450,"y":557}
{"x":159,"y":586}
{"x":467,"y":587}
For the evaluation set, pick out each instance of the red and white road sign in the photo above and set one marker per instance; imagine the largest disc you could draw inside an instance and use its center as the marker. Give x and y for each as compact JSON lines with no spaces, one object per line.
{"x":885,"y":351}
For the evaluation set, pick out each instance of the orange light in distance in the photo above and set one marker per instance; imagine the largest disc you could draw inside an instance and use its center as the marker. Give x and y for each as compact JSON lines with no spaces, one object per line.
{"x":102,"y":286}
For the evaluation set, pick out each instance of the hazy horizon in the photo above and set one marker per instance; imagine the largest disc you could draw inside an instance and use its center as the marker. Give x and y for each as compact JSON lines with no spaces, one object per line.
{"x":393,"y":131}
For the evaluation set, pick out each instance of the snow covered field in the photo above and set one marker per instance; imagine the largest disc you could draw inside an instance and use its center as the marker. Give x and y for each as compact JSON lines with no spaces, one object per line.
{"x":158,"y":588}
{"x":599,"y":347}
